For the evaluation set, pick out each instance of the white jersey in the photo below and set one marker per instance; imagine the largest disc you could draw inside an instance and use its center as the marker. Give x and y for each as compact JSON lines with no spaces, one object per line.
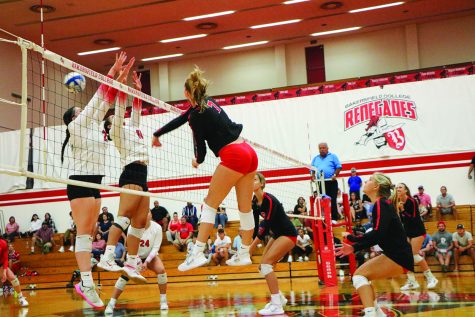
{"x":151,"y":240}
{"x":128,"y":139}
{"x":88,"y":137}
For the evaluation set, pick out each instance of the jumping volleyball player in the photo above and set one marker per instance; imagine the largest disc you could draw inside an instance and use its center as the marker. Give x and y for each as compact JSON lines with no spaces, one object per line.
{"x":210,"y":123}
{"x":148,"y":257}
{"x":133,"y":209}
{"x":389,"y":234}
{"x":88,"y":146}
{"x":416,"y":232}
{"x":283,"y":240}
{"x":7,"y":274}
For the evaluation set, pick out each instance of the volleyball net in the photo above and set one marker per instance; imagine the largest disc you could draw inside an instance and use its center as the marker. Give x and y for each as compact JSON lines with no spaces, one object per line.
{"x":36,"y":146}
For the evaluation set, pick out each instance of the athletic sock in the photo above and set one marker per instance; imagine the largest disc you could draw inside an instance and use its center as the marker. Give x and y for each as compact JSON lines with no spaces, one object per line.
{"x":198,"y":247}
{"x":275,"y":299}
{"x":86,"y":279}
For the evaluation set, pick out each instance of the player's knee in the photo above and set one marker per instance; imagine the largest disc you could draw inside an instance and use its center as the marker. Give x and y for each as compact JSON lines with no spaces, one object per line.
{"x":418,"y":258}
{"x":121,"y":282}
{"x":83,"y":243}
{"x":359,"y":281}
{"x":162,"y":278}
{"x":122,"y":223}
{"x":15,"y":282}
{"x":208,"y":214}
{"x":265,"y":269}
{"x":246,"y":220}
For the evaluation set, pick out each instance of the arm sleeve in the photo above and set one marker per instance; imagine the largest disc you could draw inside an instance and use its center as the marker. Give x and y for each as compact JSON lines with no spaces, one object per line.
{"x":174,"y":124}
{"x":263,"y":230}
{"x":156,"y":245}
{"x":118,"y":122}
{"x":136,"y":113}
{"x":381,"y":222}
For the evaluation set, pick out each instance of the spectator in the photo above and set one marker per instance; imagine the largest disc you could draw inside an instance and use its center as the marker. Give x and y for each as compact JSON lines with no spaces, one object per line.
{"x":13,"y":259}
{"x":184,"y":235}
{"x":237,"y":241}
{"x":50,"y":222}
{"x":463,"y":242}
{"x":367,"y":205}
{"x":105,"y":211}
{"x":355,"y":183}
{"x":173,"y":226}
{"x":119,"y":252}
{"x":222,"y":244}
{"x":221,"y":217}
{"x":160,"y":215}
{"x":445,"y":203}
{"x":339,"y":203}
{"x":104,"y":227}
{"x":427,"y":247}
{"x":356,"y":207}
{"x":190,"y":214}
{"x":307,"y":226}
{"x":69,"y":237}
{"x":470,"y":169}
{"x":295,"y":221}
{"x":98,"y":245}
{"x":443,"y":246}
{"x":425,"y":205}
{"x":12,"y":230}
{"x":35,"y":225}
{"x":43,"y":238}
{"x":330,"y":165}
{"x":303,"y":246}
{"x":301,"y":207}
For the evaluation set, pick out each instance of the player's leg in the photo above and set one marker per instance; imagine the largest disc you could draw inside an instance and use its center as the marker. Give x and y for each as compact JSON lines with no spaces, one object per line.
{"x":156,"y":265}
{"x":116,"y":292}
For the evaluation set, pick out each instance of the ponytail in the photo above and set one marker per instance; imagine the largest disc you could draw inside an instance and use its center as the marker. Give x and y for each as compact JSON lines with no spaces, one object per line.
{"x":196,"y":85}
{"x":68,"y":135}
{"x":67,"y":118}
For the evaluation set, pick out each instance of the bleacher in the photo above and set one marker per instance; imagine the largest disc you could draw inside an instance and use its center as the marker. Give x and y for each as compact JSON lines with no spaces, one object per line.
{"x":55,"y":268}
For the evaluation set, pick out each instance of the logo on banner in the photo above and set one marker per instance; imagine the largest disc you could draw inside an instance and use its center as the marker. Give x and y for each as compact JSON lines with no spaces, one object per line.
{"x":383,"y":116}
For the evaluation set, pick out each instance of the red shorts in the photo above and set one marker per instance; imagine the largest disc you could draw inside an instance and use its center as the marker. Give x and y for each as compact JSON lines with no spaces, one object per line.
{"x":239,"y":157}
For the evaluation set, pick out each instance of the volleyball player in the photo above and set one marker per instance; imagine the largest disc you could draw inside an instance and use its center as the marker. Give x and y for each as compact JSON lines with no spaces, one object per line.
{"x":129,"y":142}
{"x":209,"y":123}
{"x":7,"y":274}
{"x":88,"y":145}
{"x":283,"y":240}
{"x":389,"y":234}
{"x":411,"y":219}
{"x":148,"y":257}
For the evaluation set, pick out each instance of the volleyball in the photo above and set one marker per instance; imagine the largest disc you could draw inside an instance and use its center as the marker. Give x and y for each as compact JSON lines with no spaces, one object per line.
{"x":74,"y":82}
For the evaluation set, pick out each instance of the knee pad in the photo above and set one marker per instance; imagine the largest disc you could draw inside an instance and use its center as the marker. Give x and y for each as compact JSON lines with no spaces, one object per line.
{"x":162,"y":279}
{"x":122,"y":223}
{"x":208,"y":214}
{"x":83,"y":243}
{"x":247,"y":220}
{"x":15,"y":282}
{"x":360,"y":280}
{"x":417,"y":258}
{"x":136,"y":232}
{"x":121,"y":282}
{"x":265,"y":269}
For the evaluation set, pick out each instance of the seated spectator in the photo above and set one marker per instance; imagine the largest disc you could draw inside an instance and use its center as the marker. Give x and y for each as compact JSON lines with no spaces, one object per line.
{"x":35,"y":225}
{"x":463,"y":242}
{"x":105,"y":211}
{"x":355,"y":183}
{"x":307,"y":226}
{"x":221,"y":217}
{"x":120,"y":251}
{"x":12,"y":230}
{"x":427,"y":247}
{"x":301,"y":207}
{"x":356,"y":207}
{"x":160,"y":215}
{"x":69,"y":236}
{"x":98,"y":245}
{"x":43,"y":238}
{"x":222,"y":244}
{"x":367,"y":205}
{"x":295,"y":221}
{"x":190,"y":214}
{"x":173,"y":226}
{"x":237,"y":242}
{"x":50,"y":222}
{"x":339,"y":204}
{"x":443,"y":245}
{"x":13,"y":259}
{"x":358,"y":229}
{"x":184,"y":235}
{"x":104,"y":227}
{"x":446,"y":203}
{"x":303,"y":247}
{"x":425,"y":204}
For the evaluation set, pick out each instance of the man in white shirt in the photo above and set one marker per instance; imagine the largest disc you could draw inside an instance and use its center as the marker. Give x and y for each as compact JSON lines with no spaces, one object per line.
{"x":463,"y":242}
{"x":222,"y":244}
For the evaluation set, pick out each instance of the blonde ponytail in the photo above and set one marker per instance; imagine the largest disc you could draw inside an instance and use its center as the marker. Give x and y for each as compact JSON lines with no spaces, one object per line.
{"x":196,"y":86}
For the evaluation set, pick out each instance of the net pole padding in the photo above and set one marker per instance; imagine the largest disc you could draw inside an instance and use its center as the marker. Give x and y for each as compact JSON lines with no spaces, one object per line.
{"x":316,"y":241}
{"x":24,"y":108}
{"x":349,"y":228}
{"x":326,"y":244}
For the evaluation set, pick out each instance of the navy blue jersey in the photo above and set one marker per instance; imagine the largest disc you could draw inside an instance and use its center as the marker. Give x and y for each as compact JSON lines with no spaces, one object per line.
{"x":275,"y":219}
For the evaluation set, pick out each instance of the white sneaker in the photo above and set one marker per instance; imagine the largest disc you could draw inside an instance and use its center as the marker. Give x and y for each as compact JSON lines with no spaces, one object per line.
{"x":300,"y":259}
{"x":108,"y":264}
{"x":432,"y":283}
{"x":109,"y":309}
{"x":239,"y":259}
{"x":380,"y":313}
{"x":283,"y":299}
{"x":410,"y":285}
{"x":71,"y":248}
{"x":134,"y":274}
{"x":163,"y":306}
{"x":61,"y":250}
{"x":22,"y":301}
{"x":89,"y":294}
{"x":289,"y":259}
{"x":305,"y":258}
{"x":271,"y":309}
{"x":193,"y":261}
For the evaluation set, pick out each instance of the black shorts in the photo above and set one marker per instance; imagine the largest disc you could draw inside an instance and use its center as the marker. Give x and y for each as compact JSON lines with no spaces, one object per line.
{"x":83,"y":192}
{"x":134,"y":174}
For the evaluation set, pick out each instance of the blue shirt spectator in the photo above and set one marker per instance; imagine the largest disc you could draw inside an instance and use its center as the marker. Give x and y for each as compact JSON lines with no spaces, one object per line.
{"x":355,"y":183}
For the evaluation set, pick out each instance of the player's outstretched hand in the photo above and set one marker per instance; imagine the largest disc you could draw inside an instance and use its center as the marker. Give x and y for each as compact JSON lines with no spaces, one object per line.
{"x":156,"y":142}
{"x":344,"y":250}
{"x":194,"y":163}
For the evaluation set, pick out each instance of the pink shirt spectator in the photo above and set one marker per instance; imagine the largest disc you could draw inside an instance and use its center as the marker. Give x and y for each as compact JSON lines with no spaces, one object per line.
{"x":99,"y":245}
{"x":424,"y":199}
{"x":10,"y":228}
